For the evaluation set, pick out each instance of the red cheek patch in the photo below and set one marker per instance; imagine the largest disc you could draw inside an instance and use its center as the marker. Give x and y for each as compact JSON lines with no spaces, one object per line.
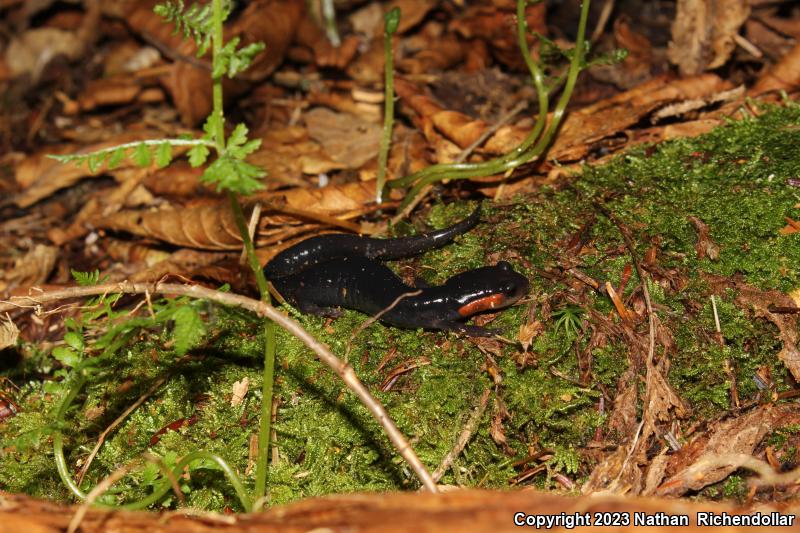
{"x":486,"y":303}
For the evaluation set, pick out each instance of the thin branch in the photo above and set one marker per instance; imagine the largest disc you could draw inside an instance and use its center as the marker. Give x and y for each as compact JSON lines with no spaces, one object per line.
{"x":371,"y":320}
{"x":623,"y":229}
{"x":342,"y":369}
{"x":767,"y":476}
{"x":98,"y":491}
{"x":464,"y":436}
{"x":115,"y":423}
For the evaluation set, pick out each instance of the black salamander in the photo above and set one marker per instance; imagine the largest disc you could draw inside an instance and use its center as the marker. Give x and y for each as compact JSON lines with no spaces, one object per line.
{"x":340,"y":270}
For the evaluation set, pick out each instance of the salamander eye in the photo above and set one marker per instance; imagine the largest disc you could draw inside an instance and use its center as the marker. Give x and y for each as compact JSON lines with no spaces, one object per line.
{"x":505,"y":265}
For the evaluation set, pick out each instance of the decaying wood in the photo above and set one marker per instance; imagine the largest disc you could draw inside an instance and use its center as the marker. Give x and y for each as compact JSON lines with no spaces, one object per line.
{"x":462,"y":510}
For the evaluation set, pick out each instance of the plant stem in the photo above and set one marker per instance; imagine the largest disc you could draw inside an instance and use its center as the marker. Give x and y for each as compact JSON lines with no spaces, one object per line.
{"x":269,"y":326}
{"x":342,"y":369}
{"x":268,"y":377}
{"x":216,"y":82}
{"x":522,"y":153}
{"x":58,"y":438}
{"x":392,"y":20}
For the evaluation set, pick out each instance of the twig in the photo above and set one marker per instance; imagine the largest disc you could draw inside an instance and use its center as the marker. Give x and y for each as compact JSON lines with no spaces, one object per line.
{"x":608,"y":8}
{"x":97,"y":491}
{"x":371,"y":320}
{"x":171,"y":52}
{"x":462,"y":156}
{"x":767,"y":476}
{"x":342,"y":369}
{"x":623,"y":229}
{"x":255,"y":216}
{"x":502,"y":121}
{"x":160,"y":381}
{"x":412,"y":204}
{"x":463,"y":437}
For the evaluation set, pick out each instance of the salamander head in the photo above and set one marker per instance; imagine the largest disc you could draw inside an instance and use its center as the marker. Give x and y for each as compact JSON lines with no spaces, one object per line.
{"x":487,"y":289}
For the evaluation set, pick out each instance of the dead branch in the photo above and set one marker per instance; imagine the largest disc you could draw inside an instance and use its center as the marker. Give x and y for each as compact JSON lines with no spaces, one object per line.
{"x":339,"y":367}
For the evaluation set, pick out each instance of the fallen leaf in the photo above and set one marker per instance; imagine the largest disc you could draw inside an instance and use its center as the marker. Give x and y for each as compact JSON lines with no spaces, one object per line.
{"x":622,"y":418}
{"x":703,"y":33}
{"x":8,"y":333}
{"x":529,"y":331}
{"x":33,"y":268}
{"x":792,"y":226}
{"x":32,"y":51}
{"x":738,"y":435}
{"x":704,"y":245}
{"x":760,"y":301}
{"x":782,"y":76}
{"x":346,"y":138}
{"x":239,"y":391}
{"x":209,"y":227}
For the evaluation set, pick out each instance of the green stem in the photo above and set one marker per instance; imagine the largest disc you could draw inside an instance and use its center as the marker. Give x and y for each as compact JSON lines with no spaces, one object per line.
{"x":216,"y":82}
{"x":241,"y":223}
{"x":268,"y":377}
{"x":58,"y":438}
{"x":250,"y":251}
{"x":523,"y":152}
{"x":392,"y":21}
{"x":264,"y":429}
{"x":163,"y":488}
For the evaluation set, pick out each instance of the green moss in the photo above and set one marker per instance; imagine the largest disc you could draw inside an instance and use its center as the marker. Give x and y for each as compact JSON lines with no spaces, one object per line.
{"x":733,"y":179}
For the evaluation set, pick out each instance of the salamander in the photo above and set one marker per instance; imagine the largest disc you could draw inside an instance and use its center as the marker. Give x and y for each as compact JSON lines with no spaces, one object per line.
{"x":339,"y":270}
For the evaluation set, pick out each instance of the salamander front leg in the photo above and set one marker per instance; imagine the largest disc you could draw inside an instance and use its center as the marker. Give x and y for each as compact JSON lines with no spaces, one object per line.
{"x":466,"y":329}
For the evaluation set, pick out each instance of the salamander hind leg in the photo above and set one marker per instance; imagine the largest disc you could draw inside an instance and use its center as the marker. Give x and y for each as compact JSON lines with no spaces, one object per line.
{"x":311,"y":308}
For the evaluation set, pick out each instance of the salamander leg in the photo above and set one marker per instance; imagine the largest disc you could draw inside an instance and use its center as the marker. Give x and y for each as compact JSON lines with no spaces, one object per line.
{"x":466,"y":329}
{"x":476,"y":331}
{"x":311,"y":308}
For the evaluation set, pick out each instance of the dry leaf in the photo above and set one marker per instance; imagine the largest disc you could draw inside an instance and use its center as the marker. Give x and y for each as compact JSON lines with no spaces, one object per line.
{"x":33,"y":268}
{"x":704,"y":245}
{"x":703,"y":33}
{"x":606,"y":118}
{"x":760,"y":301}
{"x":109,"y":91}
{"x":622,"y":419}
{"x":635,"y":69}
{"x":738,"y":435}
{"x":288,"y":153}
{"x":239,"y":391}
{"x":8,"y":333}
{"x":792,"y":226}
{"x":335,"y":198}
{"x":655,"y":472}
{"x":346,"y":138}
{"x":492,"y":25}
{"x":661,"y":398}
{"x":496,"y":429}
{"x":32,"y":51}
{"x":208,"y":227}
{"x":436,"y":52}
{"x":529,"y":331}
{"x":617,"y":474}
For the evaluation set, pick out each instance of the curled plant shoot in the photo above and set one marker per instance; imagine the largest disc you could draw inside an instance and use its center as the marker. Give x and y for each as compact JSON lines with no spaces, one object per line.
{"x":535,"y":143}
